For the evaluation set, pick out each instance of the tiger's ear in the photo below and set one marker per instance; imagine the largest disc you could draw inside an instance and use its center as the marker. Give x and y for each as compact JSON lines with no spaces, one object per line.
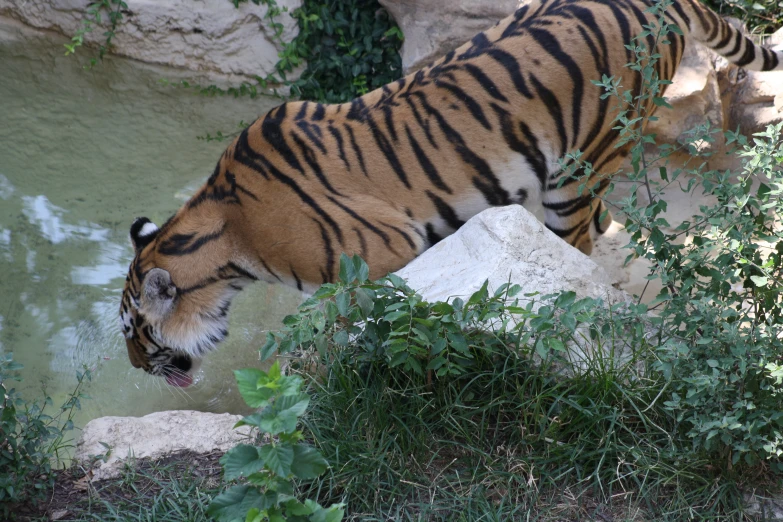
{"x":157,"y":294}
{"x":142,"y":231}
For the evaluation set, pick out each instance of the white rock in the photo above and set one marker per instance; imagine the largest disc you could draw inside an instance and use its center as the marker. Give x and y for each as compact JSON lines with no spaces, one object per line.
{"x":156,"y":435}
{"x":505,"y":244}
{"x":508,"y":244}
{"x":434,"y":27}
{"x":211,"y":37}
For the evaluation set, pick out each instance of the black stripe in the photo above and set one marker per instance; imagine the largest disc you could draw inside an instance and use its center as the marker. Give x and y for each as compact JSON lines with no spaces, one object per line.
{"x":429,"y":169}
{"x":552,"y":105}
{"x":474,"y":108}
{"x":404,"y":235}
{"x":511,"y":65}
{"x":302,"y":111}
{"x":549,"y":43}
{"x":494,"y":193}
{"x":319,"y":113}
{"x":563,"y":233}
{"x":372,"y":228}
{"x":684,"y":17}
{"x":432,"y":237}
{"x":388,"y":151}
{"x":770,"y":59}
{"x":357,"y":110}
{"x":389,"y":120}
{"x":205,"y":283}
{"x":485,"y":81}
{"x":340,"y":148}
{"x":304,"y":196}
{"x":313,"y":133}
{"x":529,"y":150}
{"x":268,"y":268}
{"x":327,"y":276}
{"x":312,"y":162}
{"x":177,"y":245}
{"x":738,"y":39}
{"x":272,"y":132}
{"x":479,"y":44}
{"x":362,"y":243}
{"x":241,"y":271}
{"x":445,"y":211}
{"x":296,"y":278}
{"x":727,"y":32}
{"x":748,"y":56}
{"x":244,"y":154}
{"x":424,"y":125}
{"x":356,"y":149}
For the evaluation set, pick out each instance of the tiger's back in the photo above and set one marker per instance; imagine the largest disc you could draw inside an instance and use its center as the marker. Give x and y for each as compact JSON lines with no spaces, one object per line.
{"x":391,"y":173}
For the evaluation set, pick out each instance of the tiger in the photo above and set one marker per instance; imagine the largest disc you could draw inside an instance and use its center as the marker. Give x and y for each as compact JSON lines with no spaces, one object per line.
{"x":394,"y":171}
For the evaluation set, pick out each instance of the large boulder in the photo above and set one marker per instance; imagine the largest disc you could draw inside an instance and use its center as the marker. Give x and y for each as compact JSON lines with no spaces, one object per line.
{"x":154,"y":436}
{"x":434,"y":27}
{"x":223,"y":43}
{"x":505,"y":244}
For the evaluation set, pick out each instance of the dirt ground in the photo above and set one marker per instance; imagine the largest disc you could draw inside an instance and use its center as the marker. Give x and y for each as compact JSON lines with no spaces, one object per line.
{"x":75,"y":495}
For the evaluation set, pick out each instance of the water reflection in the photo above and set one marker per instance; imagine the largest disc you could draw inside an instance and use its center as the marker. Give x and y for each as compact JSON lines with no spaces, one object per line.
{"x":79,"y":159}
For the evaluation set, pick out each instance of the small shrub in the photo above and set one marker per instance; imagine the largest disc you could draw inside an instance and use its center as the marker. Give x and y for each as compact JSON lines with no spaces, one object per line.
{"x":31,"y":440}
{"x":269,"y":469}
{"x":718,"y":315}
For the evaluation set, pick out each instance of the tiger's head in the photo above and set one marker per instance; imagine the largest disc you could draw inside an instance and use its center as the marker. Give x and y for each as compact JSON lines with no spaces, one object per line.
{"x":175,"y":303}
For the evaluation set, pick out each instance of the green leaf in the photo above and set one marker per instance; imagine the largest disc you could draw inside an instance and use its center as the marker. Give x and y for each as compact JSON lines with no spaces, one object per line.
{"x":269,"y":347}
{"x":361,"y":269}
{"x":308,"y":462}
{"x":284,"y":414}
{"x":236,"y":502}
{"x":759,"y":280}
{"x":278,"y":458}
{"x":333,"y":513}
{"x":343,"y":301}
{"x":241,"y":460}
{"x":365,"y":300}
{"x":347,"y":272}
{"x":247,"y":380}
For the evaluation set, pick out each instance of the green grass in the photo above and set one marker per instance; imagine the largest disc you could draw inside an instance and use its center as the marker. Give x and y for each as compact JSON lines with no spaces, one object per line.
{"x":512,"y":439}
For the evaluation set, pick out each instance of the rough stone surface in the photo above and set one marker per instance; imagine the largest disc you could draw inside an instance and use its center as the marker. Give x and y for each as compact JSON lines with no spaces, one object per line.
{"x":506,"y":244}
{"x":694,"y":97}
{"x":756,"y":98}
{"x":156,"y":435}
{"x":212,"y":37}
{"x":434,"y":27}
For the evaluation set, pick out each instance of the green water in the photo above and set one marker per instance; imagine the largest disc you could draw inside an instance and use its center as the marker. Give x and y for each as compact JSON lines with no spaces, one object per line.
{"x":81,"y":154}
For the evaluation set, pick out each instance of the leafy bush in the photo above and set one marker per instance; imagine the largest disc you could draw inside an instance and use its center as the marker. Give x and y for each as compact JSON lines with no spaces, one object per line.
{"x":718,"y":315}
{"x":763,"y":16}
{"x":348,"y":47}
{"x":31,"y":440}
{"x":270,"y":468}
{"x":433,"y":411}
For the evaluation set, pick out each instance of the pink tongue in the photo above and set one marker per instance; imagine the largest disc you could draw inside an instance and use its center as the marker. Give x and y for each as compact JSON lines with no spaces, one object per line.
{"x":179,"y":379}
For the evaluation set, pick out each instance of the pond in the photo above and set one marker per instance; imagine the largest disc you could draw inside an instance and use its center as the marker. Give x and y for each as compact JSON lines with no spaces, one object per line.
{"x":83,"y":152}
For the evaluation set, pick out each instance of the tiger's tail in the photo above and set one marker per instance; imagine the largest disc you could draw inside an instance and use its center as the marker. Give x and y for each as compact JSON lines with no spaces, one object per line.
{"x":707,"y":27}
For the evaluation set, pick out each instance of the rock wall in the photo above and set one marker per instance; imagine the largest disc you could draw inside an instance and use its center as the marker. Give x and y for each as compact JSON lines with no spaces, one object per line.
{"x":222,"y":43}
{"x":434,"y":27}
